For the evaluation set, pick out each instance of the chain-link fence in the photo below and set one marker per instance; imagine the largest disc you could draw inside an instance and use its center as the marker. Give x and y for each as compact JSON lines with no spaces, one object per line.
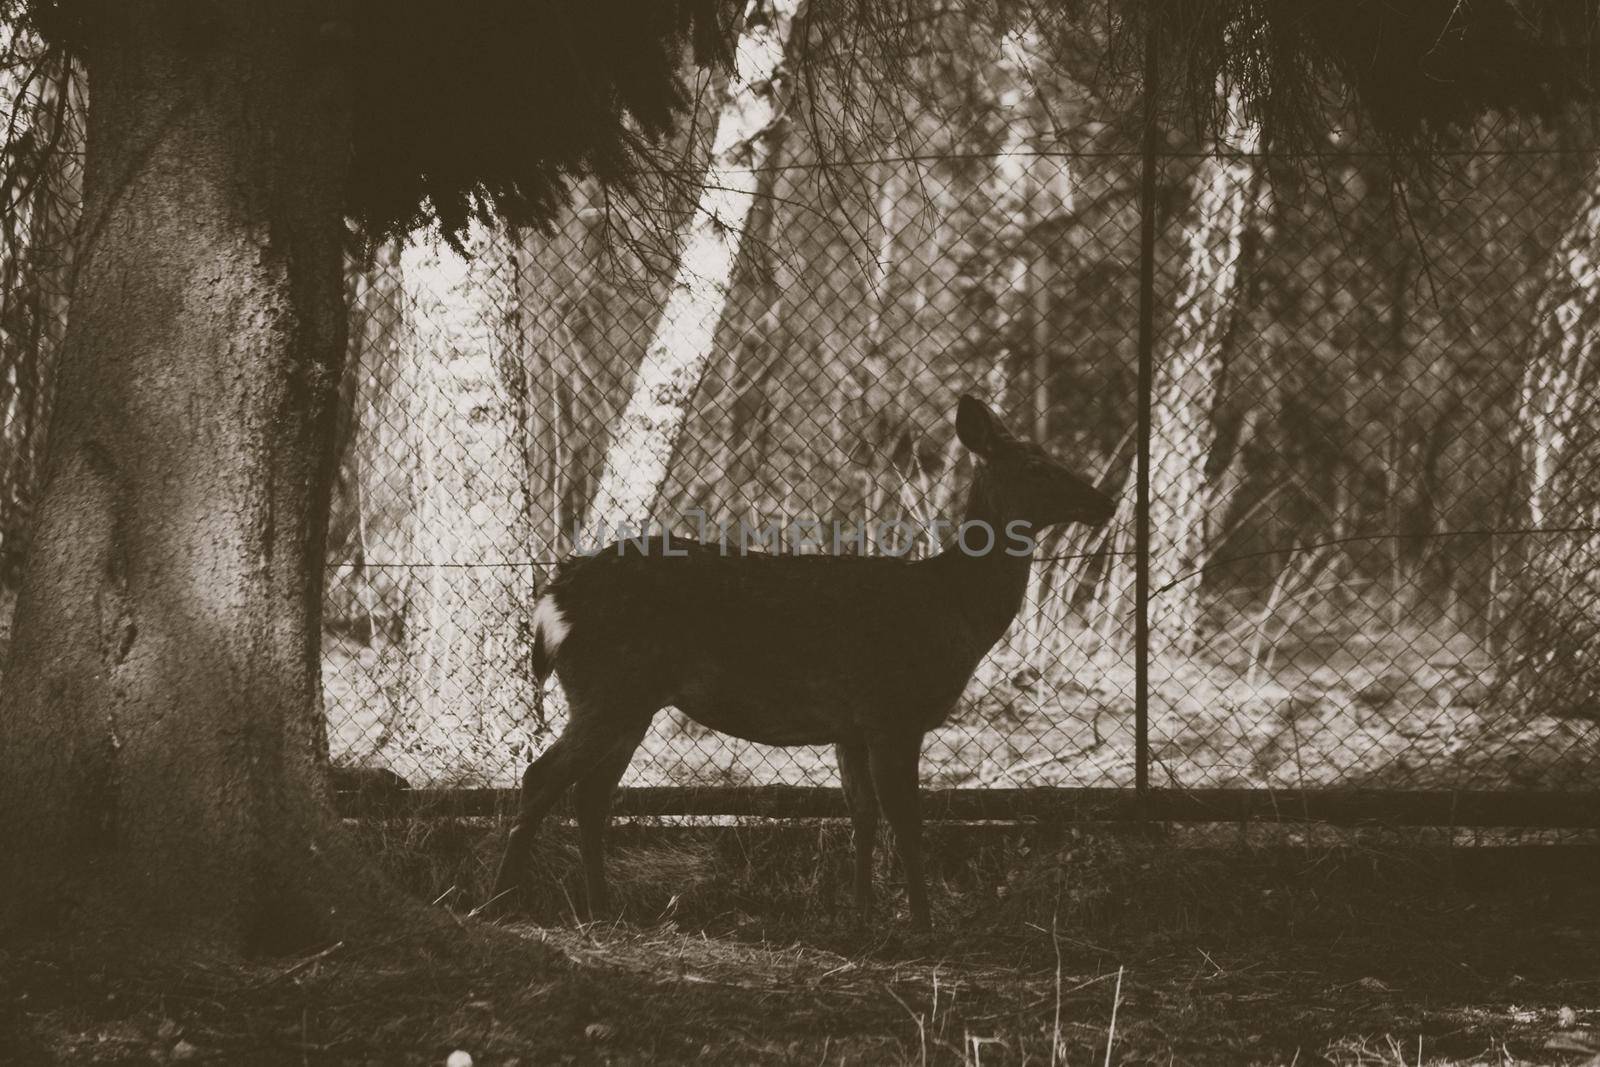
{"x":1372,"y":513}
{"x":1365,"y":405}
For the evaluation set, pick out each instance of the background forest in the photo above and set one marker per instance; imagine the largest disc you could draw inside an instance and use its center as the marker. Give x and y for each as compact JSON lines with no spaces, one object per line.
{"x":1369,"y":398}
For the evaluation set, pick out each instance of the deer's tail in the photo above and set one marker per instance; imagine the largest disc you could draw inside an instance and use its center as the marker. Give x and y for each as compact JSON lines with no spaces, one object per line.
{"x":549,"y":630}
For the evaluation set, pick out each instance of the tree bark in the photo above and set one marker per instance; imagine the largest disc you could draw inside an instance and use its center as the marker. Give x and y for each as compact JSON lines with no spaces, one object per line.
{"x":560,"y":274}
{"x":33,"y":296}
{"x":375,"y":473}
{"x":159,"y":751}
{"x":679,"y":352}
{"x":1187,"y":380}
{"x":469,"y":719}
{"x":1187,"y":384}
{"x":1557,"y":666}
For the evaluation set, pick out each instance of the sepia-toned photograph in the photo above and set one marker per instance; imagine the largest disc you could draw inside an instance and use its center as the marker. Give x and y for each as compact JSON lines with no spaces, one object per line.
{"x":800,"y":532}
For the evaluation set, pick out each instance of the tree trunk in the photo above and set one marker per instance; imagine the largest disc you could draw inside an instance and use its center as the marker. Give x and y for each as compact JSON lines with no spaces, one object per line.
{"x":33,"y":296}
{"x":1558,"y":619}
{"x":679,"y":352}
{"x":1187,"y":384}
{"x":159,"y":766}
{"x":1183,"y":409}
{"x":469,"y":718}
{"x":1030,"y":190}
{"x":371,"y":582}
{"x":561,"y":273}
{"x":376,"y":474}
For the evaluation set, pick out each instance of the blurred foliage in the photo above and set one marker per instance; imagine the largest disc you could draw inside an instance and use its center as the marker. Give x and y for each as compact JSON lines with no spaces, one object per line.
{"x":491,"y":109}
{"x":475,"y":109}
{"x":1405,"y":77}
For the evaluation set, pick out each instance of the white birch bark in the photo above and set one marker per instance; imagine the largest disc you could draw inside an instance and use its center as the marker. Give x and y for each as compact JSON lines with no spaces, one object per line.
{"x":469,"y":717}
{"x":681,"y":347}
{"x":379,"y":441}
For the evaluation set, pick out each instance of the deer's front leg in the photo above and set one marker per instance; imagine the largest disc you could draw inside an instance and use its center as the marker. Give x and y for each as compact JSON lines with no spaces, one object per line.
{"x":894,"y":776}
{"x":855,"y":773}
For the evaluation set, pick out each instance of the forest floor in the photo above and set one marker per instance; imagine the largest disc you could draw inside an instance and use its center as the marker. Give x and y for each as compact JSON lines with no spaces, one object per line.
{"x":1080,"y":947}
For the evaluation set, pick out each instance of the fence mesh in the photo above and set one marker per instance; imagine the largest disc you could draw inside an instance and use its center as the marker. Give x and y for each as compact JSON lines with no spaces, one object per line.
{"x":1348,"y":427}
{"x":1373,"y":508}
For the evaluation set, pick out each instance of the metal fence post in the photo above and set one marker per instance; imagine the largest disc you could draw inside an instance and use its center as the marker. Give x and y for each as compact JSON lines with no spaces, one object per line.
{"x":1147,"y":284}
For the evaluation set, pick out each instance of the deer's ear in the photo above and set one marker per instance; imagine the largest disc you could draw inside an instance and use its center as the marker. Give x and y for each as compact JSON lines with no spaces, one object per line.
{"x":976,"y":425}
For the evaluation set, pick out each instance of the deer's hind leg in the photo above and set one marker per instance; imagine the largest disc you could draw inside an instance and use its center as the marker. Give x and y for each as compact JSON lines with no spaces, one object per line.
{"x":591,"y":801}
{"x":894,"y":763}
{"x":855,"y":774}
{"x":588,"y":737}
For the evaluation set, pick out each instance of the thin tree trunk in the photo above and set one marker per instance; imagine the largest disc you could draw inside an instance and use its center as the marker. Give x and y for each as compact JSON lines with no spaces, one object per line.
{"x":159,"y":749}
{"x":1030,"y":190}
{"x":561,"y":271}
{"x":681,"y":348}
{"x":370,"y":586}
{"x":33,"y":299}
{"x":380,"y":477}
{"x":872,"y":406}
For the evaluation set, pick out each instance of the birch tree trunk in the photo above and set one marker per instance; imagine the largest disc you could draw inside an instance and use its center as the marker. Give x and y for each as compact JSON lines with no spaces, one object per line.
{"x":681,"y":348}
{"x":365,"y":675}
{"x":468,"y":717}
{"x":380,"y":479}
{"x":1185,"y":399}
{"x":1559,"y":618}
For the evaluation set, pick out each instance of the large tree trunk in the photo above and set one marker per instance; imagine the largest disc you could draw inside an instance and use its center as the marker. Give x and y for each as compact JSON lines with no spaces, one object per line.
{"x":681,"y":349}
{"x":159,"y":748}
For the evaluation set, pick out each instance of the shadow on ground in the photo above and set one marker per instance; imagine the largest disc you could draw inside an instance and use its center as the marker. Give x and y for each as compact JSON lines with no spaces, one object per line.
{"x":737,"y":947}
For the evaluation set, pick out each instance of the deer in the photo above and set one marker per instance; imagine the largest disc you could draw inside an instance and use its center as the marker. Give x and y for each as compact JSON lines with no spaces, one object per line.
{"x":866,"y":653}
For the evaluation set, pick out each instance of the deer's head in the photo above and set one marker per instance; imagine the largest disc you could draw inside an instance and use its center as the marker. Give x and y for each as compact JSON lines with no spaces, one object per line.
{"x":1019,"y":480}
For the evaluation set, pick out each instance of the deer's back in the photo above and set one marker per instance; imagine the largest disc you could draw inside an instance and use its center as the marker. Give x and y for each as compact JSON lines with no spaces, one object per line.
{"x":778,"y":649}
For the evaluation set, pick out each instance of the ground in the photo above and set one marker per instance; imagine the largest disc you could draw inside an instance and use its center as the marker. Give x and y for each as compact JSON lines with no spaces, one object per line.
{"x":736,"y":946}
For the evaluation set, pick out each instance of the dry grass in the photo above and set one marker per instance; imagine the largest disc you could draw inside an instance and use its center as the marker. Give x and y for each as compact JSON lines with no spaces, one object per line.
{"x":737,"y":947}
